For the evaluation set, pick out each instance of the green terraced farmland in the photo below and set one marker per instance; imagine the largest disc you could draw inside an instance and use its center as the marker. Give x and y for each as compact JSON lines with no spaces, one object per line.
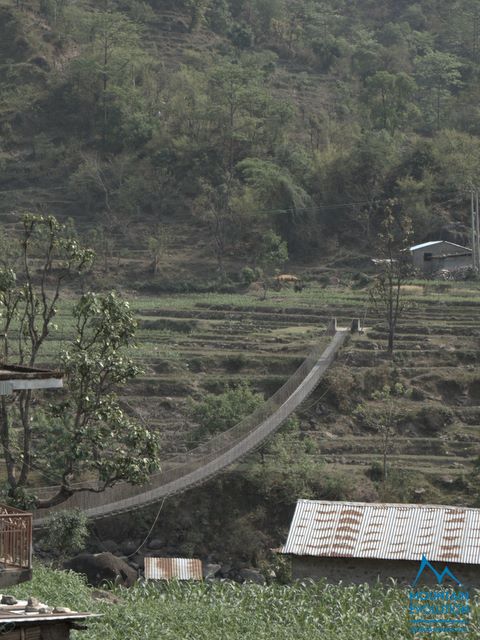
{"x":196,"y":343}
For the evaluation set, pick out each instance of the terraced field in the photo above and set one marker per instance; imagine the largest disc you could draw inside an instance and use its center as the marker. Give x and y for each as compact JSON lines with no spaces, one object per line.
{"x":429,"y":395}
{"x":192,"y":344}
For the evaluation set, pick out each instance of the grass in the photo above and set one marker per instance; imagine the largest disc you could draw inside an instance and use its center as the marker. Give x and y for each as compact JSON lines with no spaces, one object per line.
{"x":206,"y":611}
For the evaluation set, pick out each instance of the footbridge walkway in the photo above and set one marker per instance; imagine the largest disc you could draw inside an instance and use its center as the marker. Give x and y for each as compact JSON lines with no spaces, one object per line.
{"x":184,"y":471}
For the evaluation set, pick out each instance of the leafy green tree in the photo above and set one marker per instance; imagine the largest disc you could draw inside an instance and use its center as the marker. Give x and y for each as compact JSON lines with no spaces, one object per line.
{"x":272,"y":253}
{"x":278,"y":192}
{"x":439,"y":74}
{"x":108,"y":71}
{"x":53,"y":9}
{"x":66,"y":532}
{"x":265,"y":11}
{"x":88,"y":433}
{"x":457,"y":159}
{"x":218,"y":16}
{"x":216,"y":212}
{"x":30,"y":300}
{"x":216,"y":413}
{"x":390,"y":98}
{"x":239,"y":107}
{"x":358,"y":175}
{"x":197,"y":10}
{"x":289,"y":467}
{"x":157,"y":245}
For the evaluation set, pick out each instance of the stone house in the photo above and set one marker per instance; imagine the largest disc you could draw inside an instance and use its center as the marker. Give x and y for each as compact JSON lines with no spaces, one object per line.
{"x":356,"y":542}
{"x":438,"y":255}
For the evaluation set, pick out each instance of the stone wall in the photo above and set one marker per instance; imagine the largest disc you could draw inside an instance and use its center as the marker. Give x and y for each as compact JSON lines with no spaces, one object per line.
{"x":360,"y":570}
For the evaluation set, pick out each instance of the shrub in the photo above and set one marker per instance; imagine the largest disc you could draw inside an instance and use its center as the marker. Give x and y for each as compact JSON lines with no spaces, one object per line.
{"x":434,"y":418}
{"x":375,"y":471}
{"x":66,"y":531}
{"x":220,"y":412}
{"x":249,"y":275}
{"x":234,"y":363}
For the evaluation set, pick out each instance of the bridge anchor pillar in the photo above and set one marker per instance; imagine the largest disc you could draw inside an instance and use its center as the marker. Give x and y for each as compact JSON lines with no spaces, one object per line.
{"x":356,"y":326}
{"x":332,"y":327}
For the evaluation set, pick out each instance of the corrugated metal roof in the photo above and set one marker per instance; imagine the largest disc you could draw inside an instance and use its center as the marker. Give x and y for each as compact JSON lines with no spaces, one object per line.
{"x":385,"y":531}
{"x":433,"y":242}
{"x":168,"y":568}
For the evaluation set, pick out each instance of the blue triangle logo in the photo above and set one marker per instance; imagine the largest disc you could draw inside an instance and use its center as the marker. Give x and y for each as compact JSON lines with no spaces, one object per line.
{"x":425,"y":564}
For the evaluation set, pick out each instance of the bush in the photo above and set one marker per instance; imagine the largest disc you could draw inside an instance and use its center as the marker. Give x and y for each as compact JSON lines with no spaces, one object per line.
{"x":236,"y":362}
{"x":434,"y":418}
{"x":375,"y":471}
{"x":249,"y":275}
{"x":221,"y":412}
{"x":66,"y":532}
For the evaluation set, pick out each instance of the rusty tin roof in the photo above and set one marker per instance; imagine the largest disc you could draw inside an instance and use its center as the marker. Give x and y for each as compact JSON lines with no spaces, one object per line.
{"x":168,"y":568}
{"x":384,"y":531}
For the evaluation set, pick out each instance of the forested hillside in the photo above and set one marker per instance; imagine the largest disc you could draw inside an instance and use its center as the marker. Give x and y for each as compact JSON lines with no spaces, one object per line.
{"x":170,"y":123}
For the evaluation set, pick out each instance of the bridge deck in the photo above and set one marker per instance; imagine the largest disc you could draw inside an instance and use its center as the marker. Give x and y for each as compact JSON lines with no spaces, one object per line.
{"x":199,"y":465}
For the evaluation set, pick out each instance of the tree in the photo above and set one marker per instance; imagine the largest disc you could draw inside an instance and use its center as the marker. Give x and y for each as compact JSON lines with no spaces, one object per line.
{"x":272,"y":253}
{"x":439,"y":74}
{"x":197,"y":10}
{"x":289,"y":466}
{"x":215,"y":207}
{"x":93,"y":435}
{"x":217,"y":413}
{"x":86,"y":434}
{"x":242,"y":114}
{"x":278,"y":192}
{"x":389,"y":96}
{"x":66,"y":532}
{"x":394,"y":267}
{"x":108,"y":73}
{"x":53,"y":9}
{"x":157,"y":245}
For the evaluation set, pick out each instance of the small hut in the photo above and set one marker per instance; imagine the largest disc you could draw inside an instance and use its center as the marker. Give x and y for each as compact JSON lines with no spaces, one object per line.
{"x":356,"y":542}
{"x":439,"y":255}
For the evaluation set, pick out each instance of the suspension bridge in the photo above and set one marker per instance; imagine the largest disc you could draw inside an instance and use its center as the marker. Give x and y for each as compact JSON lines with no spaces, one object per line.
{"x":196,"y":466}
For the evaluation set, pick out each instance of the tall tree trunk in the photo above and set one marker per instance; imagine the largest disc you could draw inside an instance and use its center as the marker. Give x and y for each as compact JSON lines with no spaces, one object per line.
{"x":25,"y":403}
{"x":5,"y":438}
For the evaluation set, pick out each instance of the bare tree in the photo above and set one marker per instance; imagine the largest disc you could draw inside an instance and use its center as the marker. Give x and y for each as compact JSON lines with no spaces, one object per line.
{"x":394,"y":268}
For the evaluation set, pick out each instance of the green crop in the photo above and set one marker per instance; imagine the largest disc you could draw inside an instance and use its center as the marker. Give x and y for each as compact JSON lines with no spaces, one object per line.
{"x":229,"y":611}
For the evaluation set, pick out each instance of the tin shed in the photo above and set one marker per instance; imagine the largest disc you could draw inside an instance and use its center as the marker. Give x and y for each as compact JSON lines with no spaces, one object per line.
{"x":436,"y":255}
{"x":358,"y":542}
{"x":173,"y":568}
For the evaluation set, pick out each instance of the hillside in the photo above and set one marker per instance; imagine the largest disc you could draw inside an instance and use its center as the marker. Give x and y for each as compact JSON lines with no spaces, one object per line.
{"x":191,"y":128}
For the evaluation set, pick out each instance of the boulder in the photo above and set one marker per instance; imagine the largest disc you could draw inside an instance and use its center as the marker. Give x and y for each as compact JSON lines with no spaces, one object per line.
{"x":225,"y":570}
{"x":155,"y":544}
{"x":251,"y":575}
{"x":102,"y":567}
{"x":210,"y":570}
{"x":128,"y":547}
